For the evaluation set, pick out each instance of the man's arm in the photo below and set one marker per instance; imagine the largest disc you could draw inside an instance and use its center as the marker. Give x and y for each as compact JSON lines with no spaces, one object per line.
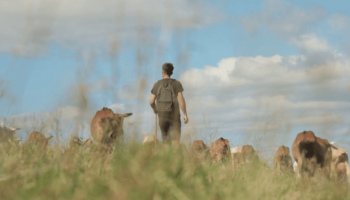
{"x":183,"y":106}
{"x":152,"y":102}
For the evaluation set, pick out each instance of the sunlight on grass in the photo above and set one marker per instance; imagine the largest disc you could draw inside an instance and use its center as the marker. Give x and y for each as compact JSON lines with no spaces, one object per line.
{"x":133,"y":172}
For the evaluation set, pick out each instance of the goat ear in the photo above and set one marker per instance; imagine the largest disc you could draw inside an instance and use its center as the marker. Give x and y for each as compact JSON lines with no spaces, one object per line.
{"x":49,"y":137}
{"x":127,"y":114}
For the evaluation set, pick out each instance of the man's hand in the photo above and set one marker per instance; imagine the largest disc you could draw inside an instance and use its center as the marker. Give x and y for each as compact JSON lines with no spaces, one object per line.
{"x":185,"y":119}
{"x":154,"y":108}
{"x":182,"y":102}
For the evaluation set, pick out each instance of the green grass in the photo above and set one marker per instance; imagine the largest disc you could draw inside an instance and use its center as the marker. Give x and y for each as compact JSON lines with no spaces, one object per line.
{"x":132,"y":172}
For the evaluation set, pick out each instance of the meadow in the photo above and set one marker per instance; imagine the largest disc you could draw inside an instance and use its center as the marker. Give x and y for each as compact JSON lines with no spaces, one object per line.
{"x":254,"y":72}
{"x":132,"y":171}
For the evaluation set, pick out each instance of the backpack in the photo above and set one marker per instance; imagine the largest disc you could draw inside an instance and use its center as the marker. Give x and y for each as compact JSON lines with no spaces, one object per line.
{"x":165,"y":96}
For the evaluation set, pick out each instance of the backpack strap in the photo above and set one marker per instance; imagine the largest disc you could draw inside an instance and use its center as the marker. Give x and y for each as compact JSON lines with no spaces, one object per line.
{"x":169,"y":82}
{"x":158,"y":91}
{"x":172,"y":89}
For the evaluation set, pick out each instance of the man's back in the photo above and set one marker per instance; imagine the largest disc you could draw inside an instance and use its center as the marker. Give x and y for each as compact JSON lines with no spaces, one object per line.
{"x":177,"y":87}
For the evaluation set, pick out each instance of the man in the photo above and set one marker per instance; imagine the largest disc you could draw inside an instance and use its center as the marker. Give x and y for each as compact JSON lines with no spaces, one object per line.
{"x":169,"y":111}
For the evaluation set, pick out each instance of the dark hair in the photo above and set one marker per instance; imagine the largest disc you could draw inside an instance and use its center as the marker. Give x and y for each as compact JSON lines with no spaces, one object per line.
{"x":168,"y":68}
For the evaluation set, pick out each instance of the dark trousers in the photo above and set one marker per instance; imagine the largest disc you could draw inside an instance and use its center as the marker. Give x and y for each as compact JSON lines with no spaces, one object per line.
{"x":170,"y":127}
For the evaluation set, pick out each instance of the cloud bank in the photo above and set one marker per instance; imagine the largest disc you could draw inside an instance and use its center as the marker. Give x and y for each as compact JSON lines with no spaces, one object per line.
{"x":252,"y":99}
{"x":28,"y":28}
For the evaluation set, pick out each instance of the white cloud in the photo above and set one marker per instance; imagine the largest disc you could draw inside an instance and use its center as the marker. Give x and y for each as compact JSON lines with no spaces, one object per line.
{"x":117,"y":107}
{"x":282,"y":17}
{"x":139,"y":90}
{"x":64,"y":121}
{"x":317,"y":66}
{"x":340,"y":24}
{"x":29,"y":27}
{"x":311,"y":42}
{"x":317,"y":51}
{"x":68,"y":113}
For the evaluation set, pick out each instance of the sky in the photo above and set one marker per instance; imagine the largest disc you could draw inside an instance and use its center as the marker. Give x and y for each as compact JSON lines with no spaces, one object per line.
{"x":254,"y":72}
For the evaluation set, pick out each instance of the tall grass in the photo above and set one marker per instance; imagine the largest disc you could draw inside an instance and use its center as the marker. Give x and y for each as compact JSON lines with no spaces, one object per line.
{"x":134,"y":172}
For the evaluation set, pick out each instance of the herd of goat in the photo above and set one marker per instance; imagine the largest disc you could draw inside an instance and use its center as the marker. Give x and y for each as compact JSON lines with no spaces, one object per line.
{"x":311,"y":154}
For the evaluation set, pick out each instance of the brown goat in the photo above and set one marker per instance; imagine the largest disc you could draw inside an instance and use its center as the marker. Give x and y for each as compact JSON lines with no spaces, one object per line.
{"x":219,"y":149}
{"x":106,"y":127}
{"x":37,"y":138}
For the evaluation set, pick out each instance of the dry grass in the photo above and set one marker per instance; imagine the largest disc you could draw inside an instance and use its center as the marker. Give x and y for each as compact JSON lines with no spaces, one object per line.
{"x":132,"y":172}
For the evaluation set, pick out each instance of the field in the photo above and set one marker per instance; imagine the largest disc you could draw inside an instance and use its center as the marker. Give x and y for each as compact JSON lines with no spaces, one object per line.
{"x":133,"y":172}
{"x":253,"y":72}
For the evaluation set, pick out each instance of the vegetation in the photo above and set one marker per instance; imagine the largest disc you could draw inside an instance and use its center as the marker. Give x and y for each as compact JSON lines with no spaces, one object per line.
{"x":133,"y":172}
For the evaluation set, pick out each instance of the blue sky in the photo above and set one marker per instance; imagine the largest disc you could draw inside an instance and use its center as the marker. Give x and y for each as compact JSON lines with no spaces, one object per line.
{"x":242,"y":62}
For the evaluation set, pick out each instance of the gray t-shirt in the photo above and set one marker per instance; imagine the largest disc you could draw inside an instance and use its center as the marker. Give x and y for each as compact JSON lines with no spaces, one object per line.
{"x":177,"y":87}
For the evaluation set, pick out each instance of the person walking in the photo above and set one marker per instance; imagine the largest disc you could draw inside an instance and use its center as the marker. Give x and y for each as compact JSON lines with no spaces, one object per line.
{"x":165,"y":99}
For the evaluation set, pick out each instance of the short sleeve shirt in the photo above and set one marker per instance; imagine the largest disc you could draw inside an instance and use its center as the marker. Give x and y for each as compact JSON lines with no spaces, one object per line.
{"x":177,"y":87}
